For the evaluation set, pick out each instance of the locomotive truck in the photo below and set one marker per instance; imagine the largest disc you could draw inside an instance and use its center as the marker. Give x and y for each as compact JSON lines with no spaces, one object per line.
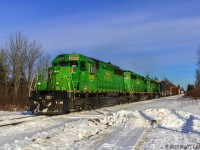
{"x":75,"y":82}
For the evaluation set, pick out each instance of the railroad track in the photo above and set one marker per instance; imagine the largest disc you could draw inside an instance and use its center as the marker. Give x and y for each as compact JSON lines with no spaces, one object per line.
{"x":16,"y":121}
{"x":16,"y":118}
{"x":20,"y":120}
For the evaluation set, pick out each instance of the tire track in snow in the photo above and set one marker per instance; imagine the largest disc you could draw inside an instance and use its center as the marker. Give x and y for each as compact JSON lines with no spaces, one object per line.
{"x":119,"y":139}
{"x":141,"y":141}
{"x":99,"y":140}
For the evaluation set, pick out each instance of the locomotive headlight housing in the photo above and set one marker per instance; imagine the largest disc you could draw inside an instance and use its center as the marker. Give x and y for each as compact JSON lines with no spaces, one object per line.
{"x":39,"y":83}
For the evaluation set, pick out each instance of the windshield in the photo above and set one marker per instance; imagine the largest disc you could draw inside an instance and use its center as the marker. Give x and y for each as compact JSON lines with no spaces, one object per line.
{"x":73,"y":64}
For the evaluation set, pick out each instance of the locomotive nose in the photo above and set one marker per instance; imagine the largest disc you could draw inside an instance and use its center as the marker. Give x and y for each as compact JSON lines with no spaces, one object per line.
{"x":63,"y":78}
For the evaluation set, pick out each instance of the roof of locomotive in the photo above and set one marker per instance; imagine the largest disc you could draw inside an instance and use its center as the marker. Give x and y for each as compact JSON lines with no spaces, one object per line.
{"x":73,"y":54}
{"x":89,"y":59}
{"x":96,"y":60}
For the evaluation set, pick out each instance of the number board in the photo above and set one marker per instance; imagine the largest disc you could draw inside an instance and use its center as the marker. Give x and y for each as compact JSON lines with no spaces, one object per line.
{"x":73,"y":58}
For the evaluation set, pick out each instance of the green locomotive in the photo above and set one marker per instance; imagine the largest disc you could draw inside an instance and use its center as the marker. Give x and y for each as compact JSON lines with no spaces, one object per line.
{"x":78,"y":82}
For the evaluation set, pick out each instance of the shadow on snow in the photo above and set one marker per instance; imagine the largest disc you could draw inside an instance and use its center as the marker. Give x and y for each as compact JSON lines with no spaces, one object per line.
{"x":187,"y":127}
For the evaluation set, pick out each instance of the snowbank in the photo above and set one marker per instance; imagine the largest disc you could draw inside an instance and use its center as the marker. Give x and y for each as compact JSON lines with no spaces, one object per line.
{"x":108,"y":128}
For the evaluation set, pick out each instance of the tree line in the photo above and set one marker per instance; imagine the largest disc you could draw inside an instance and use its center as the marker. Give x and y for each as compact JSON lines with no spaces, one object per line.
{"x":20,"y":59}
{"x":194,"y":90}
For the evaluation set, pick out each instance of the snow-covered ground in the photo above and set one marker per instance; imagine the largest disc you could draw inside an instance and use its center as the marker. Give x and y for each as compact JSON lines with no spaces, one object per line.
{"x":164,"y":123}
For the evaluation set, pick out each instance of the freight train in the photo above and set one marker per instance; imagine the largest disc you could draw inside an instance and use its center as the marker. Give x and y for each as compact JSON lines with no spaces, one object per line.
{"x":75,"y":82}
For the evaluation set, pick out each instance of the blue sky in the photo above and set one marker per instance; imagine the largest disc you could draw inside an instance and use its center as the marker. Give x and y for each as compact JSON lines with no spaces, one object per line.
{"x":157,"y":37}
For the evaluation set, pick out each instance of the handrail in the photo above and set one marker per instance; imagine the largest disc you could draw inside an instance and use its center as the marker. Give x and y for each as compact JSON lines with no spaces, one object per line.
{"x":30,"y":88}
{"x":73,"y":84}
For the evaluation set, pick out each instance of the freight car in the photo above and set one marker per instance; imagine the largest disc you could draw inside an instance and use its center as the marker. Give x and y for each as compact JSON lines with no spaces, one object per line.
{"x":168,"y":89}
{"x":78,"y":82}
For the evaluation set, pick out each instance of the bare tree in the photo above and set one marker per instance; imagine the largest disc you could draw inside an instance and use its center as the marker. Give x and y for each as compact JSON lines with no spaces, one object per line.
{"x":33,"y":53}
{"x":43,"y":64}
{"x":198,"y":57}
{"x":4,"y":72}
{"x":197,"y":81}
{"x":19,"y":59}
{"x":16,"y":50}
{"x":190,"y":87}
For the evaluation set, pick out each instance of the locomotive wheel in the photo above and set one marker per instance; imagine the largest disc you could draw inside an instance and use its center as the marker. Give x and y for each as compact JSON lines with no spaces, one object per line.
{"x":32,"y":109}
{"x":88,"y":107}
{"x":78,"y":108}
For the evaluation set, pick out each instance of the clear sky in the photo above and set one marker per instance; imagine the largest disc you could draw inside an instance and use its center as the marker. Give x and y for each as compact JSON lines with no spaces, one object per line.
{"x":155,"y":37}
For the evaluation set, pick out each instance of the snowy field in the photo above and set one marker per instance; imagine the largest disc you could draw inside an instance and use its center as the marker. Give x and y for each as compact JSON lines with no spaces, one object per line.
{"x":164,"y":123}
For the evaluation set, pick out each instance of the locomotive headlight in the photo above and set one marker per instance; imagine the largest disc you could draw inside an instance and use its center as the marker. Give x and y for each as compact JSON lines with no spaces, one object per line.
{"x":57,"y":83}
{"x":39,"y":83}
{"x":56,"y":71}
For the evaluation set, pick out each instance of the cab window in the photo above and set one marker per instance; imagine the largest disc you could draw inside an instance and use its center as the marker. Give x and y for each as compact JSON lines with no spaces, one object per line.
{"x":63,"y":63}
{"x":73,"y":64}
